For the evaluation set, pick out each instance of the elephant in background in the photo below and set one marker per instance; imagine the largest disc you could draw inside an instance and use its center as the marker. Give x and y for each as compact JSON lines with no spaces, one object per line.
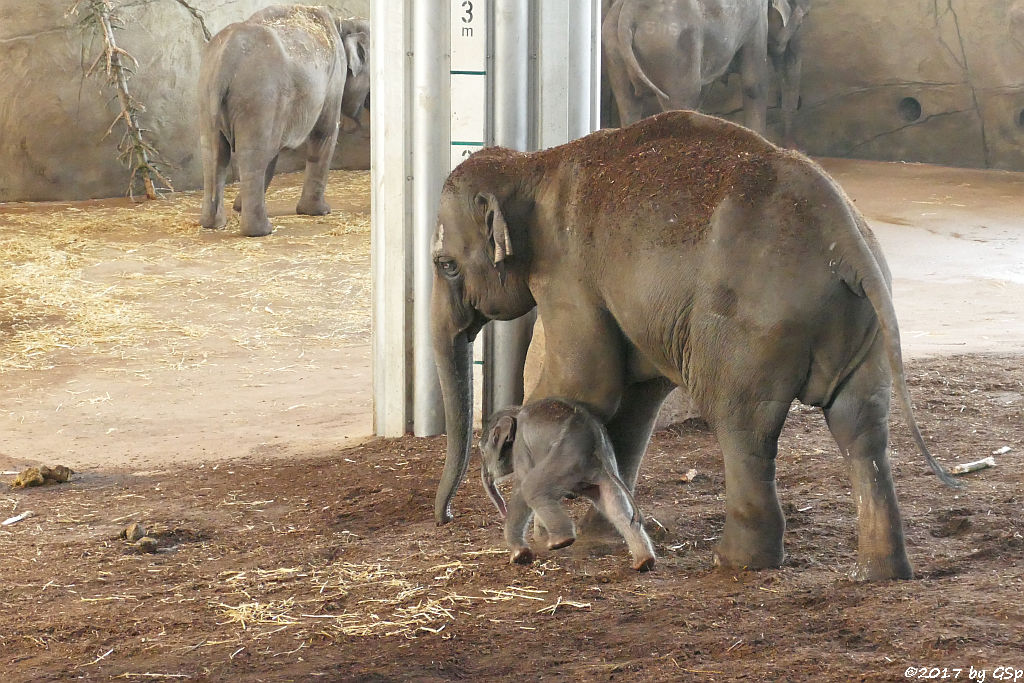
{"x":282,"y":79}
{"x":661,"y":53}
{"x":785,"y":48}
{"x":686,"y":251}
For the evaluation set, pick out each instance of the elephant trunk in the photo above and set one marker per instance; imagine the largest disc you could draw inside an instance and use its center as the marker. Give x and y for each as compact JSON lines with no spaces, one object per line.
{"x":492,"y":491}
{"x":452,"y":353}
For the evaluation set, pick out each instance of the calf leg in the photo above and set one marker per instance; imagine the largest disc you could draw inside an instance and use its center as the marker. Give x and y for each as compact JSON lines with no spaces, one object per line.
{"x":611,"y":500}
{"x":518,"y":519}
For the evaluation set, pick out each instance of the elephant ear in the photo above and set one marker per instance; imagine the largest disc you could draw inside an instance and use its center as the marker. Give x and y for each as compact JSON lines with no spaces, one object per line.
{"x":497,"y":230}
{"x":503,"y":433}
{"x":357,"y":45}
{"x":784,"y":10}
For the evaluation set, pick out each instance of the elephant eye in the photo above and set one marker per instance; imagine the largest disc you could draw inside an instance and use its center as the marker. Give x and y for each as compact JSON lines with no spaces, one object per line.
{"x":448,"y":267}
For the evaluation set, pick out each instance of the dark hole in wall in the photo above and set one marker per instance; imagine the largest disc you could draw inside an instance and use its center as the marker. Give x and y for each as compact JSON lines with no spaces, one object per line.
{"x":1020,"y":119}
{"x":909,"y":109}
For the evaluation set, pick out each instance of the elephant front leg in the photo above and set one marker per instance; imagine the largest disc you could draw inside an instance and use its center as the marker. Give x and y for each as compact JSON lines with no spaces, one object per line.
{"x":319,"y":150}
{"x":859,"y":421}
{"x":216,"y":159}
{"x":519,"y":514}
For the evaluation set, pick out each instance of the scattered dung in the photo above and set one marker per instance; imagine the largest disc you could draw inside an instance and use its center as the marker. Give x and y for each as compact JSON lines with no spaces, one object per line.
{"x":41,"y":476}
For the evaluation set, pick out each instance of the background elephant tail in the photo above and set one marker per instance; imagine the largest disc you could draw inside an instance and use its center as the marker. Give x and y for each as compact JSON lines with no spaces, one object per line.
{"x":642,"y":85}
{"x":863,"y":273}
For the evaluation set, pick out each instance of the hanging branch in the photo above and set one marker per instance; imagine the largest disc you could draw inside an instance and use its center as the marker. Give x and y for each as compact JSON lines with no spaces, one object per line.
{"x":199,"y":17}
{"x":134,"y":151}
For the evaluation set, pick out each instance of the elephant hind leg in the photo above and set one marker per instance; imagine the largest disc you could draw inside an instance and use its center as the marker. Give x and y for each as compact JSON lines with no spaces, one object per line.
{"x":319,"y":151}
{"x":859,"y":420}
{"x":255,"y":168}
{"x":216,"y":158}
{"x":268,"y":176}
{"x":754,"y":523}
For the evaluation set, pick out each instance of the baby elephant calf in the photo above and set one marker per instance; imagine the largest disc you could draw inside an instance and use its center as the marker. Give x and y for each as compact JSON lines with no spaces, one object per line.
{"x":557,"y":449}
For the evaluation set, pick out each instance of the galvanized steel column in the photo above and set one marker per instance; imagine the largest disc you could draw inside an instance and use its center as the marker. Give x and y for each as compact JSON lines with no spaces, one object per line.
{"x":506,"y":342}
{"x":431,"y":119}
{"x":390,"y":211}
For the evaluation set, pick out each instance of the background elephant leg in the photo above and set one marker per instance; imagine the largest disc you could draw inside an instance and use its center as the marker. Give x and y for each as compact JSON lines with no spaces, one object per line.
{"x":629,"y":431}
{"x":319,"y":150}
{"x":754,"y":523}
{"x":754,"y":76}
{"x":266,"y":183}
{"x":629,"y":104}
{"x":859,"y":420}
{"x":789,"y":84}
{"x":253,"y":165}
{"x":216,"y":158}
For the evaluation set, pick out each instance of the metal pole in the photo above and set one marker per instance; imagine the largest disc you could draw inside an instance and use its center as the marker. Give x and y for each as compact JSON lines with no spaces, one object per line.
{"x":390,"y":215}
{"x":431,"y":142}
{"x":506,"y":342}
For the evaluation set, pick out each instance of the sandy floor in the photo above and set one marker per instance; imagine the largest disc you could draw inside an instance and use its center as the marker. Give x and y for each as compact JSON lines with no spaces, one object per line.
{"x":228,"y":384}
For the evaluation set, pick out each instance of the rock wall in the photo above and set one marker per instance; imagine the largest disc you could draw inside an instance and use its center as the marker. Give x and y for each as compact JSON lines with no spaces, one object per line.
{"x":936,"y":81}
{"x":54,"y":119}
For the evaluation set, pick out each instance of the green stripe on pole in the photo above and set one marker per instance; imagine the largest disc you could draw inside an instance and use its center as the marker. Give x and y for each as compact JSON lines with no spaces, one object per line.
{"x":469,"y":73}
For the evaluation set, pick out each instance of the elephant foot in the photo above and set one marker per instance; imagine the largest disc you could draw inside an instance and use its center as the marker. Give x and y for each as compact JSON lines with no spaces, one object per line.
{"x":733,"y":556}
{"x":236,"y":206}
{"x":312,"y":207}
{"x":883,"y":569}
{"x":521,"y":555}
{"x":214,"y":222}
{"x":563,"y":542}
{"x":643,"y":564}
{"x":256,"y":228}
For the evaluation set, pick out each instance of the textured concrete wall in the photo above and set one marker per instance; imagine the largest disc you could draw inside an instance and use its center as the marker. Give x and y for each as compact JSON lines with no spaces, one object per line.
{"x":53,"y":119}
{"x":867,"y":62}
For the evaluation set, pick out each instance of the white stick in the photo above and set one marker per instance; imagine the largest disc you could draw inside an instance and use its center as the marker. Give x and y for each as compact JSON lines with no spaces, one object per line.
{"x":966,"y":467}
{"x":17,"y":518}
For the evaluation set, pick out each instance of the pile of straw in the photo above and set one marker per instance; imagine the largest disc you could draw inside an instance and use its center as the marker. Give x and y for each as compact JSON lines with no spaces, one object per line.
{"x":117,"y":278}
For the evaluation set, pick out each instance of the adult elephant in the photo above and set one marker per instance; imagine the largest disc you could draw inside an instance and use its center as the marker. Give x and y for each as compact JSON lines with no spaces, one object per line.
{"x":682,"y":250}
{"x":279,"y":80}
{"x":661,"y":53}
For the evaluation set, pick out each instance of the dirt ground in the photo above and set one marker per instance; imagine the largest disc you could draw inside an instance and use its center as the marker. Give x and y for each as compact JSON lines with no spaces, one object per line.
{"x":215,"y":390}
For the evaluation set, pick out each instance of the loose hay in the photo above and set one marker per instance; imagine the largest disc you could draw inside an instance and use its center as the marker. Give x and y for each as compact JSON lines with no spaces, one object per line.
{"x":367,"y":599}
{"x":99,"y":278}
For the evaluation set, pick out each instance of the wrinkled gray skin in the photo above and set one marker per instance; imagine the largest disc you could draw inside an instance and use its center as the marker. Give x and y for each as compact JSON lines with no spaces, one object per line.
{"x":279,"y":80}
{"x":659,"y":54}
{"x":683,"y":250}
{"x":557,"y":449}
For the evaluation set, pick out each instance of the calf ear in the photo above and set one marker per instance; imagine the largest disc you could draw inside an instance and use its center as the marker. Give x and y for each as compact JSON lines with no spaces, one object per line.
{"x":783,"y":8}
{"x":357,"y":46}
{"x":504,"y":431}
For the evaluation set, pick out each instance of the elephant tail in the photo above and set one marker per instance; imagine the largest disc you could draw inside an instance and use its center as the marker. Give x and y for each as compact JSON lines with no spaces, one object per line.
{"x":626,"y":29}
{"x":866,"y":277}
